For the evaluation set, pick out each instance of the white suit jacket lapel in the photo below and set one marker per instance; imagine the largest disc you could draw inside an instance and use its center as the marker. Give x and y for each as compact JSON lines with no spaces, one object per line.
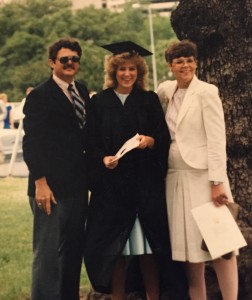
{"x":170,"y":92}
{"x":165,"y":92}
{"x":187,"y":100}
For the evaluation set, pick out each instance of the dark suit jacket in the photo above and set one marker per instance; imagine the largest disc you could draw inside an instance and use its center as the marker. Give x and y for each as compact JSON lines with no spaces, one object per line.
{"x":54,"y":145}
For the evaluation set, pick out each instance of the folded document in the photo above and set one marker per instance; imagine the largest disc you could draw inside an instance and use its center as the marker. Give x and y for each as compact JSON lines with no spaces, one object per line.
{"x":218,"y":228}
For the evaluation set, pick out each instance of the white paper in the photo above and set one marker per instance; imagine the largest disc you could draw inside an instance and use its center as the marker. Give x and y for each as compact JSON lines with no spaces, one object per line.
{"x":218,"y":228}
{"x":128,"y":146}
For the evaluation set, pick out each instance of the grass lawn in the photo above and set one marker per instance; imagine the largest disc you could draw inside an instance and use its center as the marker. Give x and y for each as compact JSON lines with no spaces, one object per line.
{"x":16,"y":241}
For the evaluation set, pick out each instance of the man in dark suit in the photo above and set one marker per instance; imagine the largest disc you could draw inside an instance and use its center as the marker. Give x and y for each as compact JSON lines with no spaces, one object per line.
{"x":54,"y":149}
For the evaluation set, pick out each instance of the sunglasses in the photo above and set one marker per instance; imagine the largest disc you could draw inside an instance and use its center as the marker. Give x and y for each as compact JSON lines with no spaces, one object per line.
{"x":64,"y":59}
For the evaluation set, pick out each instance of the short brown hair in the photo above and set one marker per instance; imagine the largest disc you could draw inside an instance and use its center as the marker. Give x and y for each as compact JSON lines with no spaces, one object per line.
{"x":183,"y":48}
{"x":112,"y":62}
{"x":68,"y":43}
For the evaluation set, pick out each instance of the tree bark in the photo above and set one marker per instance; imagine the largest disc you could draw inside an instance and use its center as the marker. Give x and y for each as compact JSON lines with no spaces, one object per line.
{"x":222,"y":31}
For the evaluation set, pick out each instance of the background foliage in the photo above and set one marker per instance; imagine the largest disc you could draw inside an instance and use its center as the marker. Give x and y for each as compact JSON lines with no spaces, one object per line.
{"x":28,"y":27}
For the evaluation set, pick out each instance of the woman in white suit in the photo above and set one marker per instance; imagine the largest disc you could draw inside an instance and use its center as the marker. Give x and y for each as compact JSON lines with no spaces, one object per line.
{"x":197,"y":167}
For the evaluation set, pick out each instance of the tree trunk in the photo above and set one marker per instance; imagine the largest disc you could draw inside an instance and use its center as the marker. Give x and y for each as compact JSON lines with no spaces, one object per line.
{"x":222,"y":31}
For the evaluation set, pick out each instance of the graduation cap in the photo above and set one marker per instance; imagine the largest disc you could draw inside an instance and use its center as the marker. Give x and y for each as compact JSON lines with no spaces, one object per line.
{"x":127,"y":46}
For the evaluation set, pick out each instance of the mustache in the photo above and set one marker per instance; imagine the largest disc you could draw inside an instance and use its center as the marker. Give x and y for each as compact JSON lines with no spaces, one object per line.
{"x":68,"y":67}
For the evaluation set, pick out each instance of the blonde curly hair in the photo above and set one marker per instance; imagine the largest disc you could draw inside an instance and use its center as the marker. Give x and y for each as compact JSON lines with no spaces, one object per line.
{"x":112,"y":62}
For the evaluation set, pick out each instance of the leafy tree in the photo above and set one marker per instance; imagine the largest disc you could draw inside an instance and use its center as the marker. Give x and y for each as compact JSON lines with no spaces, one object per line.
{"x":222,"y":30}
{"x":28,"y":27}
{"x":25,"y":31}
{"x":15,"y":50}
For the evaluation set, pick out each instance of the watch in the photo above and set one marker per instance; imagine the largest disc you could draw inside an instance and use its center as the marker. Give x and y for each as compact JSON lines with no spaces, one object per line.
{"x":216,"y":182}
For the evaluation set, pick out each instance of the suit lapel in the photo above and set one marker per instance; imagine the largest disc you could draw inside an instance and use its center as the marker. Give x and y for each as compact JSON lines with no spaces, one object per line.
{"x":62,"y":104}
{"x":60,"y":98}
{"x":172,"y":90}
{"x":169,"y":92}
{"x":187,"y":100}
{"x":83,"y":92}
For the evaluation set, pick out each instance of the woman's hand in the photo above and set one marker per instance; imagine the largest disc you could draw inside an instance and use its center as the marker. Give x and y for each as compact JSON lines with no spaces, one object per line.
{"x":146,"y":142}
{"x":219,"y":196}
{"x":110,"y":162}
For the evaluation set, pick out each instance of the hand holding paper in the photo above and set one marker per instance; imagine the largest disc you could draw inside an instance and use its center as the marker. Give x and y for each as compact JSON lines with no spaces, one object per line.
{"x":110,"y":162}
{"x":218,"y":228}
{"x":127,"y":146}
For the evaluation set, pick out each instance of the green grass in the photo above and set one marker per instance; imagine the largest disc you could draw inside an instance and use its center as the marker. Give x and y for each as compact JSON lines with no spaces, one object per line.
{"x":16,"y":241}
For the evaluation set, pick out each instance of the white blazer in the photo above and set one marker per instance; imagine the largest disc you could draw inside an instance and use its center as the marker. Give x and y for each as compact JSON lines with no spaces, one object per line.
{"x":200,"y":131}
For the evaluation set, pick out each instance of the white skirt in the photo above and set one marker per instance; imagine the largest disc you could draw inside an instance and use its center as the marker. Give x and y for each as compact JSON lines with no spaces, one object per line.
{"x":186,"y":188}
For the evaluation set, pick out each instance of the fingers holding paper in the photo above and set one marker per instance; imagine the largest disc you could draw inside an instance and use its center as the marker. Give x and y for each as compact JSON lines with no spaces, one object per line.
{"x":137,"y":141}
{"x":146,"y":142}
{"x":219,"y":195}
{"x":110,"y":162}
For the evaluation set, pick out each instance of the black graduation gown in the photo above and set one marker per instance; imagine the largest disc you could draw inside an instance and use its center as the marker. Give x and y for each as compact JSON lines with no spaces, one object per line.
{"x":134,"y":188}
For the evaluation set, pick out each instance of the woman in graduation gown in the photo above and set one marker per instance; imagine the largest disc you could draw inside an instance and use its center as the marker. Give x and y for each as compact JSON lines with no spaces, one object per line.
{"x":127,"y":213}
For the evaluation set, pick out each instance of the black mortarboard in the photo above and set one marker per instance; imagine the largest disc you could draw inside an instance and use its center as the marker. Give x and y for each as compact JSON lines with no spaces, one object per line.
{"x":127,"y":46}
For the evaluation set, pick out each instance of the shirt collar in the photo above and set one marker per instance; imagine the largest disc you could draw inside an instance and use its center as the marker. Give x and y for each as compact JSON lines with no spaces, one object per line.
{"x":62,"y":84}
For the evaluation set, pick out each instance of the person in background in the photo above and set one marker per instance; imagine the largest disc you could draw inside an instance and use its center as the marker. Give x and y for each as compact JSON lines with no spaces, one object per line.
{"x":17,"y":112}
{"x":127,"y":212}
{"x":54,"y":149}
{"x":2,"y":117}
{"x":8,"y":120}
{"x":197,"y":167}
{"x":2,"y":112}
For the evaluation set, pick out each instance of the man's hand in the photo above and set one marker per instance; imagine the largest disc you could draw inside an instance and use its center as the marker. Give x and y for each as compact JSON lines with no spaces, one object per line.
{"x":44,"y":195}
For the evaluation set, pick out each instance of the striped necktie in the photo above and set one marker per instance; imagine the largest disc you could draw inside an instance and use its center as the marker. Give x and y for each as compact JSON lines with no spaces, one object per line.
{"x":79,"y":106}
